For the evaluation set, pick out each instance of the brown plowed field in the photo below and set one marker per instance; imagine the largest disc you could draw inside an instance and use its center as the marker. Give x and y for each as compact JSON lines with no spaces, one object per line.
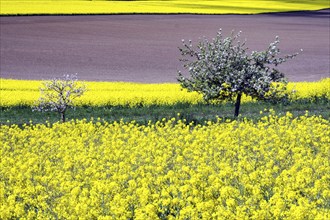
{"x":144,"y":48}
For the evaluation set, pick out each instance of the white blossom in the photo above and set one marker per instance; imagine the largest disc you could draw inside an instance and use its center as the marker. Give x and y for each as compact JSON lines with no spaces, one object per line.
{"x":221,"y":69}
{"x":59,"y":94}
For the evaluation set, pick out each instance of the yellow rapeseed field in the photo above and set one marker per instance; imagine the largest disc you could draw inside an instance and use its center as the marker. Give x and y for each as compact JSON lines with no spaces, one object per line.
{"x":26,"y":92}
{"x":156,"y":6}
{"x":277,"y":168}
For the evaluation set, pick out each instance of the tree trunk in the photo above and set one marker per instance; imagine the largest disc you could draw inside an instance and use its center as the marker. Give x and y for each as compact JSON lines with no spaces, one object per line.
{"x":238,"y":104}
{"x":62,"y":116}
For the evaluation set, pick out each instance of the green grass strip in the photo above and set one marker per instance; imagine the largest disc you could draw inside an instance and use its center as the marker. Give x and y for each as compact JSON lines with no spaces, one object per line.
{"x":197,"y":113}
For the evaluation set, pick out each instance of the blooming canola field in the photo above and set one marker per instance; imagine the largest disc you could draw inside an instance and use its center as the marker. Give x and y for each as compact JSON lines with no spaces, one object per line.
{"x":10,"y":7}
{"x":277,"y":168}
{"x":26,"y":93}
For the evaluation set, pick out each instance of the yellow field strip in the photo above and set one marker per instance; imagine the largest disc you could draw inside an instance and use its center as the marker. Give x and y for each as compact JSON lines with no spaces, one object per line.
{"x":13,"y":7}
{"x":26,"y":92}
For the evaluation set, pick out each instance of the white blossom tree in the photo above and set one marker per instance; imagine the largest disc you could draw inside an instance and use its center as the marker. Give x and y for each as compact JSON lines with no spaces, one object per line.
{"x":222,"y":69}
{"x":59,"y":94}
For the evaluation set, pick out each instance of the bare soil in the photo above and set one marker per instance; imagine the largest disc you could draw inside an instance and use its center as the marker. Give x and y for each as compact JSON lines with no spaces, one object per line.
{"x":144,"y":48}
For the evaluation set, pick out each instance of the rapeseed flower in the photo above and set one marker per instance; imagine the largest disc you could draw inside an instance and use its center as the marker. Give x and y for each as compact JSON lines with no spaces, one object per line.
{"x":26,"y":93}
{"x":277,"y":167}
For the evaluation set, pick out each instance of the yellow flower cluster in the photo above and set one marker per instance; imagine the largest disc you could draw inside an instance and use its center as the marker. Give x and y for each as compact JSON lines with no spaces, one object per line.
{"x":277,"y":168}
{"x":307,"y":90}
{"x":25,"y":92}
{"x":135,"y":94}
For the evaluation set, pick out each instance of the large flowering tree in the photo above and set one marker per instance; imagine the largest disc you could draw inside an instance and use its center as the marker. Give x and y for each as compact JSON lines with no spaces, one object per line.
{"x":222,"y":69}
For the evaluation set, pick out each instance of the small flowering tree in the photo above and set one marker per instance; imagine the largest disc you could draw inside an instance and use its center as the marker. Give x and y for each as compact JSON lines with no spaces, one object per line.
{"x":59,"y":94}
{"x":222,"y":69}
